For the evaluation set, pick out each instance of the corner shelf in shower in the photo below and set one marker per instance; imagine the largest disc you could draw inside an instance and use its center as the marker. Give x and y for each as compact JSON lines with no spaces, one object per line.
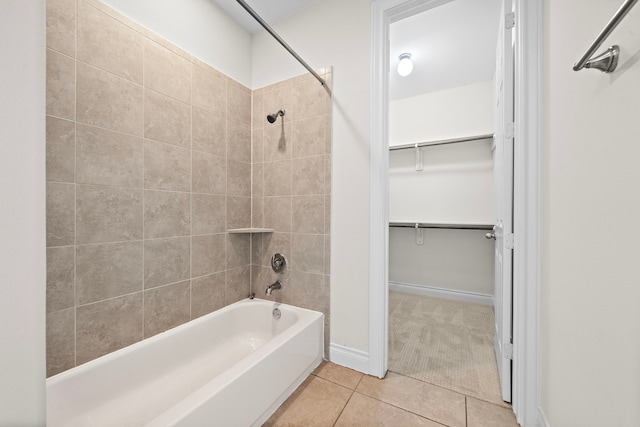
{"x":249,"y":230}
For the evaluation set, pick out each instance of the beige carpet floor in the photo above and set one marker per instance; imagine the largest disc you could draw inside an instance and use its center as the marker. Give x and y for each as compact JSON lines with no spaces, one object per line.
{"x":443,"y":342}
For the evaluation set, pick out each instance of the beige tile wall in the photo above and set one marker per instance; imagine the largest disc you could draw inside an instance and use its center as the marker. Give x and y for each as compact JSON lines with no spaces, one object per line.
{"x":292,"y":191}
{"x":148,"y":164}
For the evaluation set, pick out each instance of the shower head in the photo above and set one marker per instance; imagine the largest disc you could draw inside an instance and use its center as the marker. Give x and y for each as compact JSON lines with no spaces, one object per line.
{"x":273,"y":117}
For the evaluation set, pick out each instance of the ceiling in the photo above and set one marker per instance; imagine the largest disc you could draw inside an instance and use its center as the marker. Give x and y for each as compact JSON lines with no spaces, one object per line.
{"x":451,"y":45}
{"x":269,"y":10}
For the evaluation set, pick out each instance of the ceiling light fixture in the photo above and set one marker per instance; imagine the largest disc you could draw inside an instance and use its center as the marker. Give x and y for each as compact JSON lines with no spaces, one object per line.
{"x":405,"y":66}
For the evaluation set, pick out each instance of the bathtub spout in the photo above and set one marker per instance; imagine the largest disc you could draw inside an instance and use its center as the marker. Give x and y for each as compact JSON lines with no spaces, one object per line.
{"x":276,"y":285}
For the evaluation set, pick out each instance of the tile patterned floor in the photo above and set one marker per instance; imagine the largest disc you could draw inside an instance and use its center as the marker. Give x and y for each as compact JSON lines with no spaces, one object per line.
{"x":444,"y":342}
{"x":337,"y":396}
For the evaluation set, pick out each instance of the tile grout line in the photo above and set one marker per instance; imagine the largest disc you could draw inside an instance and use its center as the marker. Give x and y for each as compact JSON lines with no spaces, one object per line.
{"x":183,"y":236}
{"x":75,"y":193}
{"x":398,"y":407}
{"x":447,"y":389}
{"x":455,"y":391}
{"x":191,"y":189}
{"x":359,"y":381}
{"x":226,"y":188}
{"x":144,"y":187}
{"x":126,"y":295}
{"x":344,"y":407}
{"x":336,"y":383}
{"x":251,"y":196}
{"x":466,"y":412}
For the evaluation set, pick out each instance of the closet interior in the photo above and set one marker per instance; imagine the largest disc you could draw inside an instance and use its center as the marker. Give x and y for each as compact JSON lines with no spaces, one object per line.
{"x":441,"y":201}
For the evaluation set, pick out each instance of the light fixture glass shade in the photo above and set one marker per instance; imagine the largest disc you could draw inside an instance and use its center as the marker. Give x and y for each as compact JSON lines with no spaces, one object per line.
{"x":405,"y":66}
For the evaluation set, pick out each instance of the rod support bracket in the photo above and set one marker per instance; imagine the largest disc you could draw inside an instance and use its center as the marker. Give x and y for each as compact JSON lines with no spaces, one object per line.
{"x":605,"y":62}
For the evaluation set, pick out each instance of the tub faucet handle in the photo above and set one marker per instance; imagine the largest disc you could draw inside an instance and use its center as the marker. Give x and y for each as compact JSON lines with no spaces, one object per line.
{"x":274,"y":286}
{"x":278,"y":263}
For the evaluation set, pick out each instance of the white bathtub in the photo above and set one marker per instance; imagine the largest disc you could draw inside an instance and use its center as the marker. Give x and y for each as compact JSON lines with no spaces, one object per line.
{"x":233,"y":367}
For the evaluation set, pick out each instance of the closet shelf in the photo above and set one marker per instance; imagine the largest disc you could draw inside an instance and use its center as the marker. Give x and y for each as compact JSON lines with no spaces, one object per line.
{"x":455,"y":226}
{"x":441,"y":142}
{"x":249,"y":230}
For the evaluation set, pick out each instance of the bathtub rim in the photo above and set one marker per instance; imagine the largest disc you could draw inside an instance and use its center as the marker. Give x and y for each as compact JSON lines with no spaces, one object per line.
{"x":101,"y":360}
{"x":179,"y":412}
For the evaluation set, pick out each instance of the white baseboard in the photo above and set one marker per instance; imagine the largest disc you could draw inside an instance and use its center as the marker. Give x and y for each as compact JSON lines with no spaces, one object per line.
{"x":349,"y":357}
{"x":432,"y":291}
{"x":542,"y":419}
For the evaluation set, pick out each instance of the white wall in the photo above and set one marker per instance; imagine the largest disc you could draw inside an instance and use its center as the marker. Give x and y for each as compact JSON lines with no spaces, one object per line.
{"x":22,"y":217}
{"x":455,"y":186}
{"x":336,"y":33}
{"x":446,"y":114}
{"x":590,"y":335}
{"x":458,"y":260}
{"x":199,"y":27}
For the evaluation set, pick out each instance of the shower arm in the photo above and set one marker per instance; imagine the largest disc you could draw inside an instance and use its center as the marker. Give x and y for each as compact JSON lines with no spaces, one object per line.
{"x":279,"y":39}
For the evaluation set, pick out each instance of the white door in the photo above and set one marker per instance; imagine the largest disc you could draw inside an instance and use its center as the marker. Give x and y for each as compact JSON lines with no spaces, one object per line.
{"x":503,"y":199}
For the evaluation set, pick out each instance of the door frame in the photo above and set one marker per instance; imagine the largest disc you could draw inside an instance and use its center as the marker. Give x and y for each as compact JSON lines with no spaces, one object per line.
{"x":527,"y":197}
{"x":503,"y":172}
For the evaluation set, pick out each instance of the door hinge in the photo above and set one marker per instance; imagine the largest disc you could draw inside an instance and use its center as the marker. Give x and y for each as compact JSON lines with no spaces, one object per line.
{"x":508,"y":351}
{"x":509,"y":129}
{"x":509,"y":241}
{"x":510,"y":20}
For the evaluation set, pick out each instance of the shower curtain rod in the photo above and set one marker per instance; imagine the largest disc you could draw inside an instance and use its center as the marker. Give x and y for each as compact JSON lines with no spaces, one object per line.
{"x":607,"y":61}
{"x":279,"y":39}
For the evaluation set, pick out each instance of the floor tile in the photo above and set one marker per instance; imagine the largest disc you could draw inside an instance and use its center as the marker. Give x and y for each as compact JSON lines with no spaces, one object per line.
{"x":367,"y":412}
{"x":436,"y":403}
{"x":316,"y":403}
{"x":485,"y":414}
{"x":339,"y":374}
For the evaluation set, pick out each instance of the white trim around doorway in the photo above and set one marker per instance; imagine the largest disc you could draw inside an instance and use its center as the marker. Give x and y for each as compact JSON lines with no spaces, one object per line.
{"x":528,"y":69}
{"x":527,"y":210}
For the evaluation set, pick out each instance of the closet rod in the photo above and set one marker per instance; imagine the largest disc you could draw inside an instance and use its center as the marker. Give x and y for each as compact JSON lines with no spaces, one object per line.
{"x":279,"y":39}
{"x":441,"y":225}
{"x":441,"y":142}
